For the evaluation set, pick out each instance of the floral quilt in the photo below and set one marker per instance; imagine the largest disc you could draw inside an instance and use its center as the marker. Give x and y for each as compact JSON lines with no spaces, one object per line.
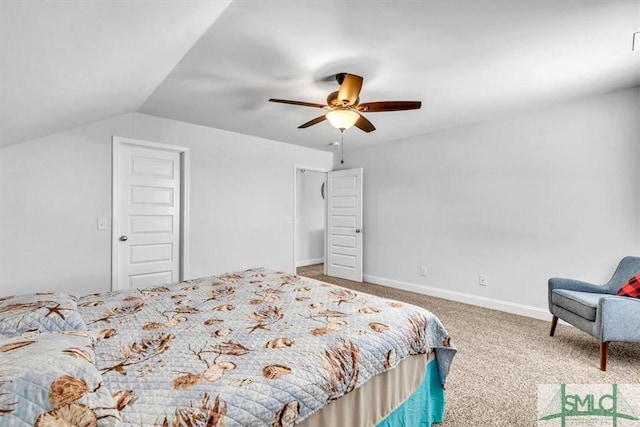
{"x":247,"y":349}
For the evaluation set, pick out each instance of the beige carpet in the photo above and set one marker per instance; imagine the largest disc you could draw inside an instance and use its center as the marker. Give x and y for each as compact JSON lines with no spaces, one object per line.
{"x":503,"y":357}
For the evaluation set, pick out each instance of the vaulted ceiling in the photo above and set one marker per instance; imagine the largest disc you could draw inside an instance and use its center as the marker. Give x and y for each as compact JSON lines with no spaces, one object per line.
{"x":216,"y":63}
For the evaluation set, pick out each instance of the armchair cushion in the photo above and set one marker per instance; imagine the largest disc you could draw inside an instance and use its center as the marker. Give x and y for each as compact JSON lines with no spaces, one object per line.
{"x":631,"y":288}
{"x":584,"y":304}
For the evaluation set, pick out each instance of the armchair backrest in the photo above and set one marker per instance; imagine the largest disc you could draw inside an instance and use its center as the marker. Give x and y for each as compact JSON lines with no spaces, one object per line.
{"x":628,"y":267}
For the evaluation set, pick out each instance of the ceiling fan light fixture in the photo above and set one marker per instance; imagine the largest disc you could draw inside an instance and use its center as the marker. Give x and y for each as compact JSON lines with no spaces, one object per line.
{"x":342,"y":119}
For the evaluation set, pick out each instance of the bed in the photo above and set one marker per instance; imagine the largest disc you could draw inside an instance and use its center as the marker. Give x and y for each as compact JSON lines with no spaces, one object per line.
{"x":250,"y":348}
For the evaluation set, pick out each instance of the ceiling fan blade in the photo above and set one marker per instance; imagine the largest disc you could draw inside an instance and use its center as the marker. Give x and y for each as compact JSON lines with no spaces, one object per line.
{"x":349,"y":89}
{"x":313,"y":122}
{"x":304,"y":104}
{"x":381,"y":106}
{"x":364,"y":124}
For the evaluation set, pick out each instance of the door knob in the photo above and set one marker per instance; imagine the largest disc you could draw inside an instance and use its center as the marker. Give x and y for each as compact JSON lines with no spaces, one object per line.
{"x":358,"y":230}
{"x":123,"y":238}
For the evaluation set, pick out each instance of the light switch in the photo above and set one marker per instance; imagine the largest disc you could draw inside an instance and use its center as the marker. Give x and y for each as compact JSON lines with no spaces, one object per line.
{"x":102,"y":223}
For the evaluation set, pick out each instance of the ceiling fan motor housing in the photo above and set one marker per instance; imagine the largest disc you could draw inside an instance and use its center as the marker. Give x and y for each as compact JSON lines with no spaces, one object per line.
{"x":333,"y":101}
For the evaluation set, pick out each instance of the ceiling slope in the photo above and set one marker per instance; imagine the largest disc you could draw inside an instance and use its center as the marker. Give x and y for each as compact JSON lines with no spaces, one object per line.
{"x":68,"y":63}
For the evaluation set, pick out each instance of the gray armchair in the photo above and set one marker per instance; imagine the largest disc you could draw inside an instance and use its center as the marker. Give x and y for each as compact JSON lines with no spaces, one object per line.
{"x":596,"y":309}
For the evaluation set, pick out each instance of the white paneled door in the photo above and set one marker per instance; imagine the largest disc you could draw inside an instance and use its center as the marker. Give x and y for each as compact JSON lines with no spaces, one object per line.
{"x":344,"y":224}
{"x":147,"y":228}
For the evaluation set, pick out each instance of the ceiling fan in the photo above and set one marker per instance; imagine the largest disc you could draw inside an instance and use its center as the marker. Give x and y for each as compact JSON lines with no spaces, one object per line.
{"x":345,"y":107}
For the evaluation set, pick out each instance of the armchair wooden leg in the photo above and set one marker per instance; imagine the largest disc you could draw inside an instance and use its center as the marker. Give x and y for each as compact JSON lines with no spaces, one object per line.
{"x":604,"y":347}
{"x":554,"y":322}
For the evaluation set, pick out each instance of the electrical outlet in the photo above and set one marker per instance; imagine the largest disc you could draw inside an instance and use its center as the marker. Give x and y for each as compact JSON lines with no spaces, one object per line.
{"x":482,"y":280}
{"x":423,"y":270}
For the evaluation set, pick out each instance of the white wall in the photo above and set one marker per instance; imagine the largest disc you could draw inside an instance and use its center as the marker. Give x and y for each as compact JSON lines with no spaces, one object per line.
{"x":547,"y":193}
{"x":309,"y":218}
{"x":53,"y":189}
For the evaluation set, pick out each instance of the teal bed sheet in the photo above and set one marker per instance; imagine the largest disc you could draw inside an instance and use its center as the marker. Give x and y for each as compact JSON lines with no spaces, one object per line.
{"x":425,"y":406}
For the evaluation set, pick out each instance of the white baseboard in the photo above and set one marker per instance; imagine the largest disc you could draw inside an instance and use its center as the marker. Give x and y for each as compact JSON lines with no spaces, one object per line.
{"x":509,"y":307}
{"x":305,"y":262}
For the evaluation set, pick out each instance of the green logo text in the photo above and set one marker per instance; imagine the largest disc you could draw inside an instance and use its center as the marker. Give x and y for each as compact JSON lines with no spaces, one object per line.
{"x":611,"y":405}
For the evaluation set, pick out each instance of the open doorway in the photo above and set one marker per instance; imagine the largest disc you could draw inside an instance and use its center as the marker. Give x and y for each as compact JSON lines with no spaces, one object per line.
{"x":327,"y":224}
{"x":310,"y":222}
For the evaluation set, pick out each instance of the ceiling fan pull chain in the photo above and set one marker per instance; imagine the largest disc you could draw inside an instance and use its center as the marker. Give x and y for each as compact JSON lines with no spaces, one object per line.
{"x":341,"y":146}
